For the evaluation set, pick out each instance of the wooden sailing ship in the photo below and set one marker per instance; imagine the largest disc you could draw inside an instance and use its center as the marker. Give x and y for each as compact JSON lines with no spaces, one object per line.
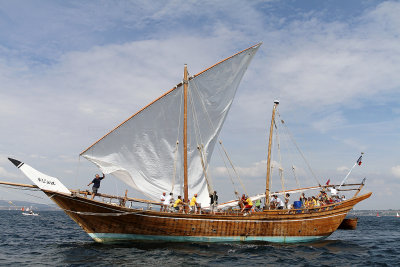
{"x":146,"y":152}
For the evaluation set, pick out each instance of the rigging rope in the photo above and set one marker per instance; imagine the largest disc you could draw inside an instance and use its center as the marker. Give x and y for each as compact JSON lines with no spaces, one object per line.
{"x":28,"y":189}
{"x":298,"y":149}
{"x":77,"y":170}
{"x":199,"y":144}
{"x":295,"y":176}
{"x":229,"y":173}
{"x":211,"y":125}
{"x":280,"y":168}
{"x":289,"y":150}
{"x":177,"y":144}
{"x":175,"y":163}
{"x":210,"y":190}
{"x":233,"y":167}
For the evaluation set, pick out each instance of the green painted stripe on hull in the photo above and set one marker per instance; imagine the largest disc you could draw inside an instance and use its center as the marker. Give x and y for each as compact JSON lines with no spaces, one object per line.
{"x":110,"y":238}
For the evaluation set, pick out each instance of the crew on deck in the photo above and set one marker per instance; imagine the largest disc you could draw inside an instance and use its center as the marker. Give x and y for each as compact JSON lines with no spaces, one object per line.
{"x":178,"y":205}
{"x":194,"y":206}
{"x":276,"y":203}
{"x":96,"y":184}
{"x":248,"y":204}
{"x":162,"y":200}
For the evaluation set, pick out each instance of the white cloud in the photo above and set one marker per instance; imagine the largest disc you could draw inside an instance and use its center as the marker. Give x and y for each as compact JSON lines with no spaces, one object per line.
{"x":342,"y":169}
{"x":396,"y":171}
{"x":5,"y":175}
{"x":329,"y":122}
{"x":319,"y":65}
{"x":256,"y":169}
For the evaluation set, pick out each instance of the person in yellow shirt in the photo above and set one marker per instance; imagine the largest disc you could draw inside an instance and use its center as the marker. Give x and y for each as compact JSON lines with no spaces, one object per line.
{"x":178,"y":205}
{"x":314,"y":202}
{"x":308,"y":203}
{"x":193,"y":204}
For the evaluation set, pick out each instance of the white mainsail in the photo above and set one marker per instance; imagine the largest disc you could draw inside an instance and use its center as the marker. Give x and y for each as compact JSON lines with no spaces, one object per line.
{"x":142,"y":151}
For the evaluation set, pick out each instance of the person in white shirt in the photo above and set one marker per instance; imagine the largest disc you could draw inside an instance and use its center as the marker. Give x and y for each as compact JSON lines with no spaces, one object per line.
{"x":162,"y":199}
{"x":167,"y":201}
{"x":333,"y":191}
{"x":287,"y":199}
{"x":277,"y":203}
{"x":280,"y":203}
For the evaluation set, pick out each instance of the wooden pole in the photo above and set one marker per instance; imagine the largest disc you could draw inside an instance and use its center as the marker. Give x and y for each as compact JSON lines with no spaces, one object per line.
{"x":185,"y":107}
{"x":359,"y":189}
{"x":269,"y":156}
{"x":19,"y":185}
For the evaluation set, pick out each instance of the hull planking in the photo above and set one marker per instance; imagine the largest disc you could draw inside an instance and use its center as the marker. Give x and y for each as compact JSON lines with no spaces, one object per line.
{"x":111,"y":223}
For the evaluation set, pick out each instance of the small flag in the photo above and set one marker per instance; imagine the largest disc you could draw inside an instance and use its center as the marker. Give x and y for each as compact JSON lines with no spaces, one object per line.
{"x":327,"y":182}
{"x":359,"y":161}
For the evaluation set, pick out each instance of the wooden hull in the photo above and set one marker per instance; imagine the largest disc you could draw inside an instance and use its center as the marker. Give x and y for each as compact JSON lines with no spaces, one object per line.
{"x":111,"y":223}
{"x":349,"y":224}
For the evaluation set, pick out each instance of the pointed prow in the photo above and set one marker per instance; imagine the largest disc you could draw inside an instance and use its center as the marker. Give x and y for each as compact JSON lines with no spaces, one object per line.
{"x":17,"y":163}
{"x":43,"y":181}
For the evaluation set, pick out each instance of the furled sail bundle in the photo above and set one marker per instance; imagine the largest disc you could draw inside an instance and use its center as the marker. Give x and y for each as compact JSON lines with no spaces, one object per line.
{"x":145,"y":151}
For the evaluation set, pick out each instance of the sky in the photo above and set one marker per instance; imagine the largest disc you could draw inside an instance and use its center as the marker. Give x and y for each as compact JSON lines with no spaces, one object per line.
{"x":70,"y":71}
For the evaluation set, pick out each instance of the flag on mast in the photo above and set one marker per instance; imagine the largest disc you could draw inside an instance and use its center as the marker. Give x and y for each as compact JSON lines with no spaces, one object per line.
{"x":359,"y":160}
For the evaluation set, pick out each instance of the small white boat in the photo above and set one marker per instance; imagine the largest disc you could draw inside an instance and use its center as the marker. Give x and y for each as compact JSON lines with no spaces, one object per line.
{"x":397,"y":215}
{"x":31,"y":213}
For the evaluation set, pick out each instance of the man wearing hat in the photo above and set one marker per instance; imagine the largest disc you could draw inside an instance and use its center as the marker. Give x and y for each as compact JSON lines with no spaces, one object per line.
{"x":162,"y":199}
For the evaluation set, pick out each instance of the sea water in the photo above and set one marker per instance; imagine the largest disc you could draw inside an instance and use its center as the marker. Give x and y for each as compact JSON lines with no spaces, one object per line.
{"x":53,"y":239}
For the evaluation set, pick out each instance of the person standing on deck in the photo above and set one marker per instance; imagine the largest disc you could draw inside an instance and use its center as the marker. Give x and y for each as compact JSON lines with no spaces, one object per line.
{"x":287,"y":199}
{"x":258,"y":205}
{"x":303,"y":199}
{"x":167,"y":202}
{"x":162,"y":199}
{"x":334,"y":191}
{"x":96,"y":184}
{"x":193,"y":204}
{"x":213,"y":201}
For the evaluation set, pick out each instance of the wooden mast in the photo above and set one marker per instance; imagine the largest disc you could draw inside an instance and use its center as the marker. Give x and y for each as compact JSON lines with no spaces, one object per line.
{"x":267,"y":200}
{"x":185,"y":107}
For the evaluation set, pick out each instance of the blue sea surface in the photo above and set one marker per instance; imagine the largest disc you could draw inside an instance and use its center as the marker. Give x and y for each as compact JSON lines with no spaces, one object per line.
{"x":53,"y":239}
